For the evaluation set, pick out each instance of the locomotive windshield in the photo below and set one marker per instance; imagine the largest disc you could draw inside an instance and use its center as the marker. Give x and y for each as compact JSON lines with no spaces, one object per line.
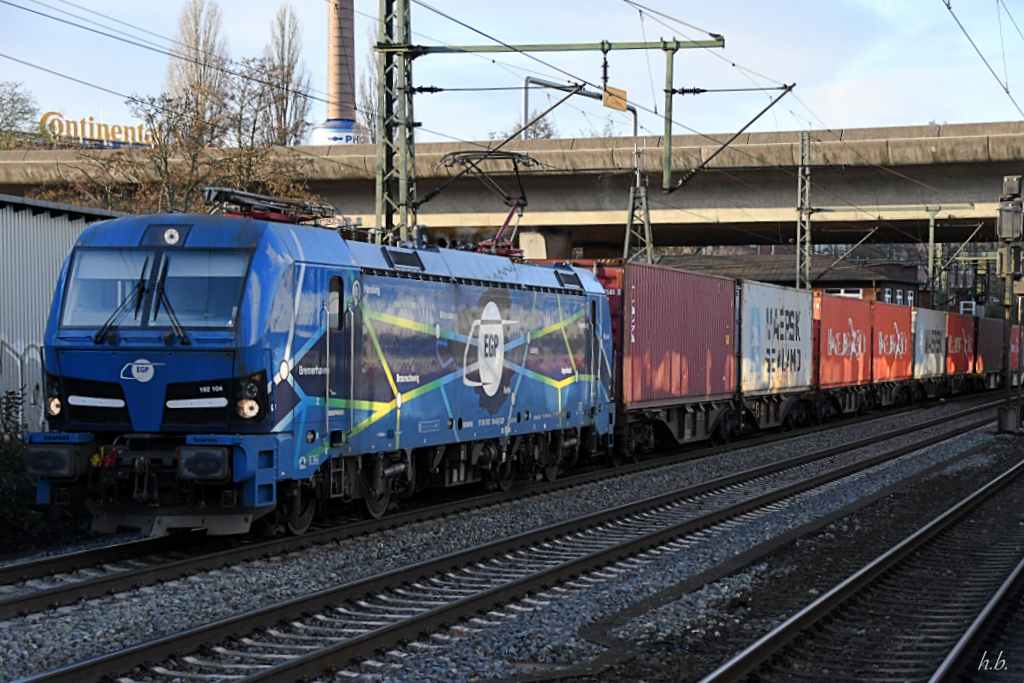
{"x":103,"y":280}
{"x":146,"y":288}
{"x":202,"y":287}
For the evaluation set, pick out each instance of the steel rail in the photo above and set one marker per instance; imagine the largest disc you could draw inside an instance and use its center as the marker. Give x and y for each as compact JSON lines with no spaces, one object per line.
{"x":69,"y":592}
{"x":956,"y":662}
{"x":69,"y":562}
{"x":363,"y":646}
{"x":753,"y":656}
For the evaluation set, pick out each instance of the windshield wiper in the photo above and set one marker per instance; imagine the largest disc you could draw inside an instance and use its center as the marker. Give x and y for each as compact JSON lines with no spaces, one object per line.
{"x":162,"y":298}
{"x":137,"y":295}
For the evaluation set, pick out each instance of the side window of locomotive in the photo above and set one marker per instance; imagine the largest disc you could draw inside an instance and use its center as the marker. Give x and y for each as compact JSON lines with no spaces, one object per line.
{"x":334,"y":304}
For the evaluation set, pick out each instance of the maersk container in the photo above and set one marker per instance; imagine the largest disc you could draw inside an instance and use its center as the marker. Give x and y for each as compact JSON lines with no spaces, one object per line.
{"x":843,"y":356}
{"x":929,"y":343}
{"x":892,"y":342}
{"x":991,"y":333}
{"x":775,"y":339}
{"x":679,"y":337}
{"x":960,"y":351}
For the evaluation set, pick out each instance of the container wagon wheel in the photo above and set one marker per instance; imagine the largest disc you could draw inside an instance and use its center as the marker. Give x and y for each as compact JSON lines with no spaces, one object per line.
{"x":300,"y":510}
{"x":375,"y":488}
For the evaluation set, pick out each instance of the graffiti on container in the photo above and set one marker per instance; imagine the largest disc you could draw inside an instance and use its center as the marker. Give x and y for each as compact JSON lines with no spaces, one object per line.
{"x":783,"y":334}
{"x":933,"y":342}
{"x":845,"y":343}
{"x":893,"y":343}
{"x":961,"y":343}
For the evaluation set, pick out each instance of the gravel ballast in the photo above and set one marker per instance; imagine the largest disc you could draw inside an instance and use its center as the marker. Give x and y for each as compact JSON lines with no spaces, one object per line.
{"x":47,"y":640}
{"x":547,"y":640}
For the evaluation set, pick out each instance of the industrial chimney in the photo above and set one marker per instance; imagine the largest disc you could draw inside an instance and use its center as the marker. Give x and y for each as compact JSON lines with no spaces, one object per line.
{"x":339,"y":129}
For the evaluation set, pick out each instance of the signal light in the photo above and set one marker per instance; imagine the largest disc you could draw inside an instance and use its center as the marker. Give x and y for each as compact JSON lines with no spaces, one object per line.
{"x":53,"y":406}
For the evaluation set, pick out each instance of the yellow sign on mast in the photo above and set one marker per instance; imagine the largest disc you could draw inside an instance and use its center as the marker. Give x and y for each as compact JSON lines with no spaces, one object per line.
{"x":614,"y":98}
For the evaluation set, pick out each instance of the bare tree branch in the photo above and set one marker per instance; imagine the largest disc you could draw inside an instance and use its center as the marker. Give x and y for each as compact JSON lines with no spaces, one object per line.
{"x":288,"y":111}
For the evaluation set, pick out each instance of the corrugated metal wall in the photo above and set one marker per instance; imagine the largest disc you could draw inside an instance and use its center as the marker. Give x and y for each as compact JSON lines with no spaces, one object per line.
{"x":33,"y":247}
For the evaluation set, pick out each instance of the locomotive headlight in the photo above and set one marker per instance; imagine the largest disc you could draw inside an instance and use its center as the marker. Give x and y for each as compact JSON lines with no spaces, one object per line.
{"x":53,"y":406}
{"x":250,"y":389}
{"x":247,"y":408}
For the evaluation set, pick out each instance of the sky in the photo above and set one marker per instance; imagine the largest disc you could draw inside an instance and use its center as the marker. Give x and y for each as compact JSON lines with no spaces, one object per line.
{"x":856,"y":63}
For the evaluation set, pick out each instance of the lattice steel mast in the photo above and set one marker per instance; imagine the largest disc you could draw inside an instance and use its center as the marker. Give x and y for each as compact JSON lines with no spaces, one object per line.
{"x":396,"y":198}
{"x":804,"y":246}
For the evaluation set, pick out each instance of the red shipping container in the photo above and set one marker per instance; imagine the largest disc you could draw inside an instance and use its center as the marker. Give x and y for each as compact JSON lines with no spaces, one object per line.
{"x":844,"y":341}
{"x":960,"y":344}
{"x":678,"y":336}
{"x":1015,"y":347}
{"x":892,"y":342}
{"x":991,"y":333}
{"x":674,"y":333}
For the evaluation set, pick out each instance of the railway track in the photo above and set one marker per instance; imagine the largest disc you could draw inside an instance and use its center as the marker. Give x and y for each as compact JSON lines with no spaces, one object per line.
{"x":474,"y":588}
{"x":920,"y":611}
{"x":64,"y":580}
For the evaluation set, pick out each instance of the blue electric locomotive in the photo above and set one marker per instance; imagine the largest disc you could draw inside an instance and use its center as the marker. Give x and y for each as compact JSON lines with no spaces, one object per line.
{"x":214,"y":372}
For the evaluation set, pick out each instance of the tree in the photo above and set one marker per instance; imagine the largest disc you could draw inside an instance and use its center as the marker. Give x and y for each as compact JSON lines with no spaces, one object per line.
{"x":17,"y":113}
{"x":543,"y":129}
{"x":169,"y":175}
{"x":608,"y":129}
{"x":203,"y":72}
{"x":17,"y":107}
{"x":288,"y":109}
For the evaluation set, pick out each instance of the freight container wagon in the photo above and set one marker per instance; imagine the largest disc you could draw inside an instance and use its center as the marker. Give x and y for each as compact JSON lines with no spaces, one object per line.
{"x":988,"y":364}
{"x":842,"y":355}
{"x":930,"y":333}
{"x":960,"y":350}
{"x":892,"y":352}
{"x":776,"y":352}
{"x":675,"y":344}
{"x":678,"y":353}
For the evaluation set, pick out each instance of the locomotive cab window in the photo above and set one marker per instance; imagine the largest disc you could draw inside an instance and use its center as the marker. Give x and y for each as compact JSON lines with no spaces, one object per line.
{"x":105,"y":280}
{"x":334,"y":304}
{"x":202,"y":286}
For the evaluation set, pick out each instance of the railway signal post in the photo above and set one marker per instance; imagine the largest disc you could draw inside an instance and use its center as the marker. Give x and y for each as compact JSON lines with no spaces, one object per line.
{"x":1010,"y":228}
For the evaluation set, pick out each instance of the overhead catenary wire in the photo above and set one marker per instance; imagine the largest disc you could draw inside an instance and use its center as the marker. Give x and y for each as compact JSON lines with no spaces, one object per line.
{"x":751,"y":74}
{"x":647,"y":56}
{"x":513,"y":69}
{"x":711,"y":138}
{"x":651,"y":10}
{"x":1012,"y":20}
{"x":1002,"y":43}
{"x":1005,"y":86}
{"x":213,"y":65}
{"x":134,"y":98}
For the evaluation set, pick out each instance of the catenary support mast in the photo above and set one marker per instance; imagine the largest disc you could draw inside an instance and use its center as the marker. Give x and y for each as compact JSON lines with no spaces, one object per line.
{"x":396,"y":198}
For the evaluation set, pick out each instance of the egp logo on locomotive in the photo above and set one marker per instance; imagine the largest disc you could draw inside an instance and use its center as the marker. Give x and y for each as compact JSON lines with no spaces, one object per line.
{"x":488,"y":334}
{"x":141,"y":370}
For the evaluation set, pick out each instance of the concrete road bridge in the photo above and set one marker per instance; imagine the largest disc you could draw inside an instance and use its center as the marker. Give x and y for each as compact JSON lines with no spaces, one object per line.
{"x":894,"y":179}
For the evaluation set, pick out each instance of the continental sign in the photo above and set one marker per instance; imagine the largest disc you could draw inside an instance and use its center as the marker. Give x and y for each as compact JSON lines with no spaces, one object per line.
{"x":86,"y":130}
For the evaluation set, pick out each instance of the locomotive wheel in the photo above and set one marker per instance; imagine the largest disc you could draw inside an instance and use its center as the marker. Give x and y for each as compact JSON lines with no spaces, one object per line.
{"x":375,"y":488}
{"x":503,"y":476}
{"x":550,"y":472}
{"x":300,"y":511}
